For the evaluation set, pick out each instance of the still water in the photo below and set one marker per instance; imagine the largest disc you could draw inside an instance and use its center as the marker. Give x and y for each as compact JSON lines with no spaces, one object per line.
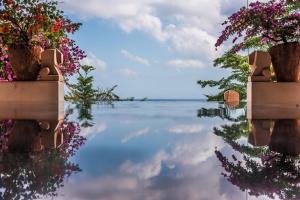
{"x":159,"y":150}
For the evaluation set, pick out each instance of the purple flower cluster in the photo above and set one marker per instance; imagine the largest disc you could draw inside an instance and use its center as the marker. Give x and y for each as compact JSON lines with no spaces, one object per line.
{"x":275,"y":22}
{"x":5,"y":130}
{"x":41,"y":41}
{"x":275,"y":176}
{"x":5,"y":68}
{"x":72,"y":57}
{"x":72,"y":138}
{"x":37,"y":23}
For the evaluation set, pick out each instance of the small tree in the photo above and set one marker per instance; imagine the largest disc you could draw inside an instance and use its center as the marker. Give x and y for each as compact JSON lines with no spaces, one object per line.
{"x":236,"y":81}
{"x":240,"y":71}
{"x":83,"y":95}
{"x":82,"y":91}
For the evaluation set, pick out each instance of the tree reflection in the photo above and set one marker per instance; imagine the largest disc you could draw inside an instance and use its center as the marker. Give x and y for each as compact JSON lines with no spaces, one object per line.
{"x":270,"y":164}
{"x":85,"y":114}
{"x":34,"y":156}
{"x":224,"y":112}
{"x":268,"y":170}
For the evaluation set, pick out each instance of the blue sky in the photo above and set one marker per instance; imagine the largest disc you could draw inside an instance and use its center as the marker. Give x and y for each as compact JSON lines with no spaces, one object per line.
{"x":151,"y":48}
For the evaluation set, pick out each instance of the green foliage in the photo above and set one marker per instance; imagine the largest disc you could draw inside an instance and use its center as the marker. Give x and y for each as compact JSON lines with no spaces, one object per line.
{"x":239,"y":67}
{"x":233,"y":131}
{"x":83,"y":95}
{"x":236,"y":81}
{"x":253,"y":43}
{"x":130,"y":99}
{"x":224,"y":113}
{"x":106,"y":95}
{"x":85,"y":115}
{"x":293,"y":7}
{"x":83,"y":91}
{"x":144,"y":99}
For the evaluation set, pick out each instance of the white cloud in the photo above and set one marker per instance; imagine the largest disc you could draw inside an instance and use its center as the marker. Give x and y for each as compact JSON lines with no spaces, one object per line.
{"x":185,"y":153}
{"x":127,"y":72}
{"x":188,"y":27}
{"x":186,"y":128}
{"x":96,"y":129}
{"x":190,"y":153}
{"x":181,"y":170}
{"x":147,"y":169}
{"x":193,"y":42}
{"x":135,"y":58}
{"x":144,"y":22}
{"x":135,"y":134}
{"x":96,"y":62}
{"x":186,"y":64}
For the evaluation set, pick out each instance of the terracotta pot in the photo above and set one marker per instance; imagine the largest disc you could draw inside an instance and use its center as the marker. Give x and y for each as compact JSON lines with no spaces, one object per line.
{"x":25,"y":62}
{"x":286,"y":61}
{"x":23,"y":135}
{"x":285,"y":137}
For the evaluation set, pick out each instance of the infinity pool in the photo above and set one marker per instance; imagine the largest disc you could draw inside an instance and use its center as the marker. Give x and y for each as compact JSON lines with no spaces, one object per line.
{"x":153,"y":150}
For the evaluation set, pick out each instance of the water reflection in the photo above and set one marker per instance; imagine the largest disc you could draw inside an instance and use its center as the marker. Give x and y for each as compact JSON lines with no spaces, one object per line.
{"x":34,"y":156}
{"x":85,"y":116}
{"x":268,"y":163}
{"x":150,"y":150}
{"x":224,"y":112}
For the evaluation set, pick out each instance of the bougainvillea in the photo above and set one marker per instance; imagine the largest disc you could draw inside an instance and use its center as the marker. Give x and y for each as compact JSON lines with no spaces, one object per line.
{"x":275,"y":22}
{"x":37,"y":23}
{"x":72,"y":56}
{"x":35,"y":174}
{"x":5,"y":69}
{"x":274,"y":175}
{"x":272,"y":170}
{"x":72,"y":138}
{"x":5,"y":130}
{"x":259,"y":170}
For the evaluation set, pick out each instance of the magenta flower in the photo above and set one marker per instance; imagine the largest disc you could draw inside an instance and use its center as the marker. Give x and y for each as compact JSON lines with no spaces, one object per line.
{"x":277,"y":21}
{"x":37,"y":23}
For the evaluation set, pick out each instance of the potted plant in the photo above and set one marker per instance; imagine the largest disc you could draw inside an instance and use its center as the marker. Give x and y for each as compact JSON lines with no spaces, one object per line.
{"x":28,"y":27}
{"x":277,"y":23}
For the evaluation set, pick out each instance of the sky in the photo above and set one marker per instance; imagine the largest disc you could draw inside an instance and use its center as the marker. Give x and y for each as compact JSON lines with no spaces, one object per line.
{"x":152,"y":48}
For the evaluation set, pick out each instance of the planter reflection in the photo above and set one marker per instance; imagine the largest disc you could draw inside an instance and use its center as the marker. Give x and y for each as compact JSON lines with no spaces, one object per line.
{"x":281,"y":136}
{"x":285,"y":137}
{"x":272,"y":170}
{"x":269,"y":165}
{"x":34,"y":156}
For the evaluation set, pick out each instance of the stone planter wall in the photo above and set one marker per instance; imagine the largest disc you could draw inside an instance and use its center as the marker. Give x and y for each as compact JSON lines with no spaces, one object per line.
{"x":267,"y":99}
{"x":272,"y":100}
{"x":41,"y":99}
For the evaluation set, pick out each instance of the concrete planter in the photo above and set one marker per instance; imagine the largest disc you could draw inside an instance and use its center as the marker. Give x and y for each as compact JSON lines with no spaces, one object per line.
{"x":40,"y":99}
{"x":273,"y":100}
{"x":267,"y":99}
{"x":32,"y":100}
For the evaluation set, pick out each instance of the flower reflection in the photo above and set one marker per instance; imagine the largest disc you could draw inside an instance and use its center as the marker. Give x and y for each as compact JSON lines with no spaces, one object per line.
{"x":34,"y":156}
{"x":271,"y":166}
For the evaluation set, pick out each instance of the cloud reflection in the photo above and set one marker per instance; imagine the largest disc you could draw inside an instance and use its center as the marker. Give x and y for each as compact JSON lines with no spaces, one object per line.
{"x":135,"y":134}
{"x":96,"y":129}
{"x":186,"y":128}
{"x":187,"y":171}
